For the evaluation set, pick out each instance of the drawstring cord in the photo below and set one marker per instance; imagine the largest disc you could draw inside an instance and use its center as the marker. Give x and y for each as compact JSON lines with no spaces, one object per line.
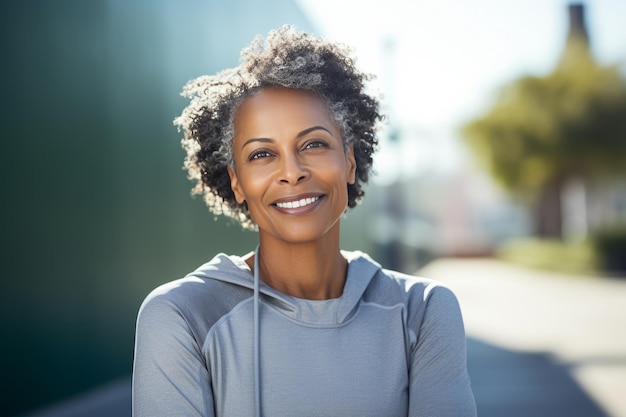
{"x":257,"y":364}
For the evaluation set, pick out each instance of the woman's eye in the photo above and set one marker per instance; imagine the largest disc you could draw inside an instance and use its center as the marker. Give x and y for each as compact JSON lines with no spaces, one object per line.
{"x":315,"y":144}
{"x":258,"y":155}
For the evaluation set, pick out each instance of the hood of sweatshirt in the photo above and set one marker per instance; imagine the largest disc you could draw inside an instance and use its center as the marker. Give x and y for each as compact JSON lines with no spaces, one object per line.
{"x":361,"y":269}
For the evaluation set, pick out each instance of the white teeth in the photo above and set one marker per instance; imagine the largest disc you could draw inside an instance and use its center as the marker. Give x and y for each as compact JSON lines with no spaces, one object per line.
{"x":298,"y":203}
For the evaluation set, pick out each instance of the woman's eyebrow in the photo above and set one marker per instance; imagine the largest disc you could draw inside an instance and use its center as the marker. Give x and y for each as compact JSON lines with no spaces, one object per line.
{"x":263,"y":140}
{"x":311,"y":129}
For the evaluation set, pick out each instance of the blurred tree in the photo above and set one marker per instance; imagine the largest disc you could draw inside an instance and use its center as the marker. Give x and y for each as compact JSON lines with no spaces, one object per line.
{"x":544,"y":132}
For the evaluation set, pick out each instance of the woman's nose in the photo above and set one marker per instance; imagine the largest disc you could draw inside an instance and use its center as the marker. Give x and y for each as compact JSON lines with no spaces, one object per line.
{"x":291,"y":170}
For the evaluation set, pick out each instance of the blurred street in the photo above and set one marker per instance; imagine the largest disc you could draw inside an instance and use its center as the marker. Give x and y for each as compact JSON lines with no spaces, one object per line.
{"x":540,"y":344}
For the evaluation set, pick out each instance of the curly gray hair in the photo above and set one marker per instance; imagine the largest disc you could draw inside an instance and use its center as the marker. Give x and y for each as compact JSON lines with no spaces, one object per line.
{"x":285,"y":58}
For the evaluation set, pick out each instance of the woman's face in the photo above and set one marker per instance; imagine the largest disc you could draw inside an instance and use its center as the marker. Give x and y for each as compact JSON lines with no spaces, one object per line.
{"x":290,"y":165}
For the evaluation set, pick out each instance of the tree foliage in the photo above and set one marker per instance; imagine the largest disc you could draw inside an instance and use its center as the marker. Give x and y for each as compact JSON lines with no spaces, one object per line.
{"x":544,"y":129}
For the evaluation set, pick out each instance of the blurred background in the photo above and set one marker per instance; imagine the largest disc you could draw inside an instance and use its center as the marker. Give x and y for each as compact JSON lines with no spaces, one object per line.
{"x":501,"y":172}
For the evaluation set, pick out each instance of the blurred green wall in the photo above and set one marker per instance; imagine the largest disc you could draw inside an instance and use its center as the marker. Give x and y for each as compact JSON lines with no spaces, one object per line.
{"x":97,"y":209}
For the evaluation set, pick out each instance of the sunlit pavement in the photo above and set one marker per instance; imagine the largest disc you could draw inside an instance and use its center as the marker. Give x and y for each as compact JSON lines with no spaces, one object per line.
{"x":540,"y":344}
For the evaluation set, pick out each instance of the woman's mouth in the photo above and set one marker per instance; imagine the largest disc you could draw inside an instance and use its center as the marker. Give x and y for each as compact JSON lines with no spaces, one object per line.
{"x":297,"y":203}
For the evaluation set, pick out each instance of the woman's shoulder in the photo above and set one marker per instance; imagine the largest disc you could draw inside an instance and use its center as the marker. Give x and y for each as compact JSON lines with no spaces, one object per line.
{"x":420,"y":289}
{"x":400,"y":285}
{"x":366,"y":265}
{"x":205,"y":289}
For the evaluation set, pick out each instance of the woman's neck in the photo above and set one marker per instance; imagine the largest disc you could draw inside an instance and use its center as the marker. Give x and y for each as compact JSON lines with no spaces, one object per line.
{"x":315,"y":271}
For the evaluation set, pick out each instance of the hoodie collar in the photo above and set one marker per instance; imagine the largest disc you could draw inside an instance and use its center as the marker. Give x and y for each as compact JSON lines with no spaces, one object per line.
{"x":361,"y":269}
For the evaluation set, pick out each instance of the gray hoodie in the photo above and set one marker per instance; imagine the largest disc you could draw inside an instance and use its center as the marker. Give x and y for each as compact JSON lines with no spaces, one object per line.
{"x":211,"y":344}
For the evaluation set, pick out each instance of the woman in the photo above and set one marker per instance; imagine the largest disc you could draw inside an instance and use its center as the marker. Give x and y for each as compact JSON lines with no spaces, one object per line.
{"x":283,"y":144}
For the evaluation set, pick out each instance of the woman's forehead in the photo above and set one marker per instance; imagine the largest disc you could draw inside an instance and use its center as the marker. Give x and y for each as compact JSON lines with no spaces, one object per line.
{"x":274,"y":108}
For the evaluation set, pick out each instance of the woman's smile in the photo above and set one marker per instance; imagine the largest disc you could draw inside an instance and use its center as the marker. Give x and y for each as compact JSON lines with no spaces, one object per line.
{"x":298,"y":206}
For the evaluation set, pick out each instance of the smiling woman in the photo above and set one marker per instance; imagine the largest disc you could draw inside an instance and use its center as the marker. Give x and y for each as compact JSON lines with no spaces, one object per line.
{"x":283,"y":143}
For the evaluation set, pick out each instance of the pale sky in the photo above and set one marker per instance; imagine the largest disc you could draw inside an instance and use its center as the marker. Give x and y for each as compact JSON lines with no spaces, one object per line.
{"x":449,"y":57}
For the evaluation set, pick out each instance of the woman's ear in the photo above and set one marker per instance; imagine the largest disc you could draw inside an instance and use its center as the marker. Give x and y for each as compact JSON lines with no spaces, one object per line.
{"x":351,"y":164}
{"x":235,"y":186}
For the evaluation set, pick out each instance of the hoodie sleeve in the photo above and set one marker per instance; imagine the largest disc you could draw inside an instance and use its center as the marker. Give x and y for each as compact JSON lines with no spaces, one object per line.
{"x":439,"y":382}
{"x":170,"y":375}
